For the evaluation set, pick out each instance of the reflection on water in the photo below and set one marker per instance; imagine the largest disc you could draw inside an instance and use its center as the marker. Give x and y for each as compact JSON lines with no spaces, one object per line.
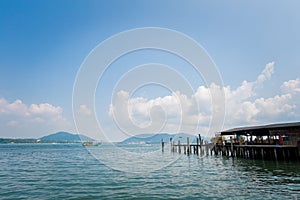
{"x":280,"y":178}
{"x":70,"y":171}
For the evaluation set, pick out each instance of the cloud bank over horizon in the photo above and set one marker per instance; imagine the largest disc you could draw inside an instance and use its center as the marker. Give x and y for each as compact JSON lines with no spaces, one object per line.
{"x":181,"y":113}
{"x":32,"y":120}
{"x":177,"y":112}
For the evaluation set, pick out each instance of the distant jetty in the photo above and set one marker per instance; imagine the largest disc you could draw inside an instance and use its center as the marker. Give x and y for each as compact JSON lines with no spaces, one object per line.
{"x":267,"y":142}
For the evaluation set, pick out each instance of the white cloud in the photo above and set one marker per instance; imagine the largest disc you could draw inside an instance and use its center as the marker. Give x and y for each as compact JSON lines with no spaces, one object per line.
{"x":84,"y":110}
{"x":23,"y":120}
{"x":44,"y":109}
{"x":266,"y":73}
{"x":275,"y":106}
{"x":16,"y":108}
{"x":243,"y":106}
{"x":291,"y":86}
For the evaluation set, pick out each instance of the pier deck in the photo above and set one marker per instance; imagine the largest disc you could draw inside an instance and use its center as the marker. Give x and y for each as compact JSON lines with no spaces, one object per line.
{"x":269,"y":143}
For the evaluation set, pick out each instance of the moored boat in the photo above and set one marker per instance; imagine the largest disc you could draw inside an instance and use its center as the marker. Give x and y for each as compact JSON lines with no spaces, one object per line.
{"x":89,"y":143}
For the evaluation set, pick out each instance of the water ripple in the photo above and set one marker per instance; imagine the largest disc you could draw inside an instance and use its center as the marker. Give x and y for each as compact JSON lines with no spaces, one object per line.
{"x":70,"y":172}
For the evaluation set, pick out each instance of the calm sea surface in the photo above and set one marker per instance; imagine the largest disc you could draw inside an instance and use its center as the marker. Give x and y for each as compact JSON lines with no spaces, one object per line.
{"x":69,"y":171}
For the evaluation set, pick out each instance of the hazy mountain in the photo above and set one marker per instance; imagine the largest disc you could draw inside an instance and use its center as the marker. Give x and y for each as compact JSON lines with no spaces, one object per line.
{"x":156,"y":138}
{"x":65,"y":137}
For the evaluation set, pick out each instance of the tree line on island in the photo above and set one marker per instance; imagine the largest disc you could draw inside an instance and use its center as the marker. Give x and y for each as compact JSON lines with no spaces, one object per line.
{"x":59,"y":137}
{"x":65,"y":137}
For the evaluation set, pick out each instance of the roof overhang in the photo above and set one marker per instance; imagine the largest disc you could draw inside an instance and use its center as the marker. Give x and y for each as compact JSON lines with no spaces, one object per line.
{"x":262,"y":130}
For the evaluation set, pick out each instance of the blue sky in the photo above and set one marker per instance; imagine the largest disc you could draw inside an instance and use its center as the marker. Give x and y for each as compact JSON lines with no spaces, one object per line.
{"x":43,"y":44}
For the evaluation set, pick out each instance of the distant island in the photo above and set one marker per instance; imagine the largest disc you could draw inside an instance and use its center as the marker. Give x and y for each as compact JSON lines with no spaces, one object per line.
{"x":65,"y":137}
{"x":59,"y":137}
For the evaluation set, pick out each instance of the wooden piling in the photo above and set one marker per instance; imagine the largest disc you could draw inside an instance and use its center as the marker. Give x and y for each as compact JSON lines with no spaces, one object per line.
{"x":197,"y":149}
{"x":206,"y":148}
{"x":231,"y":146}
{"x":188,"y":145}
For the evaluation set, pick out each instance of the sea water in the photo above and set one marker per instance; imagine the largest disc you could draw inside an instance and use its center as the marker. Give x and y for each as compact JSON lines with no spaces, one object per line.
{"x":71,"y":171}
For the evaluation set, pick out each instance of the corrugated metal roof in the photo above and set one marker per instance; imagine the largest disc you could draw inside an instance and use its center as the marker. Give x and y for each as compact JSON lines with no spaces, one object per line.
{"x":261,"y":128}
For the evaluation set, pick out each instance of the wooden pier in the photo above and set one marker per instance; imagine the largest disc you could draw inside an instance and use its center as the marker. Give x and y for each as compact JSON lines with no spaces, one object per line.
{"x":201,"y":149}
{"x":268,"y":144}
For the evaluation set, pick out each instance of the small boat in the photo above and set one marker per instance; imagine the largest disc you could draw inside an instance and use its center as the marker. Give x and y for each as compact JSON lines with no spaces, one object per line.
{"x":91,"y":143}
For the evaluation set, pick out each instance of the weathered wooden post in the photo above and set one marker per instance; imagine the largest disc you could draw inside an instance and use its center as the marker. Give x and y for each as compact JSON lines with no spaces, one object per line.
{"x":223,"y":148}
{"x":200,"y":140}
{"x":283,"y":153}
{"x":179,"y":148}
{"x":201,"y":147}
{"x":197,"y":149}
{"x":173,"y":147}
{"x":239,"y":151}
{"x":216,"y":149}
{"x":162,"y":145}
{"x":227,"y":150}
{"x":231,"y":146}
{"x":275,"y":153}
{"x":298,"y":153}
{"x":188,"y":145}
{"x":206,"y":148}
